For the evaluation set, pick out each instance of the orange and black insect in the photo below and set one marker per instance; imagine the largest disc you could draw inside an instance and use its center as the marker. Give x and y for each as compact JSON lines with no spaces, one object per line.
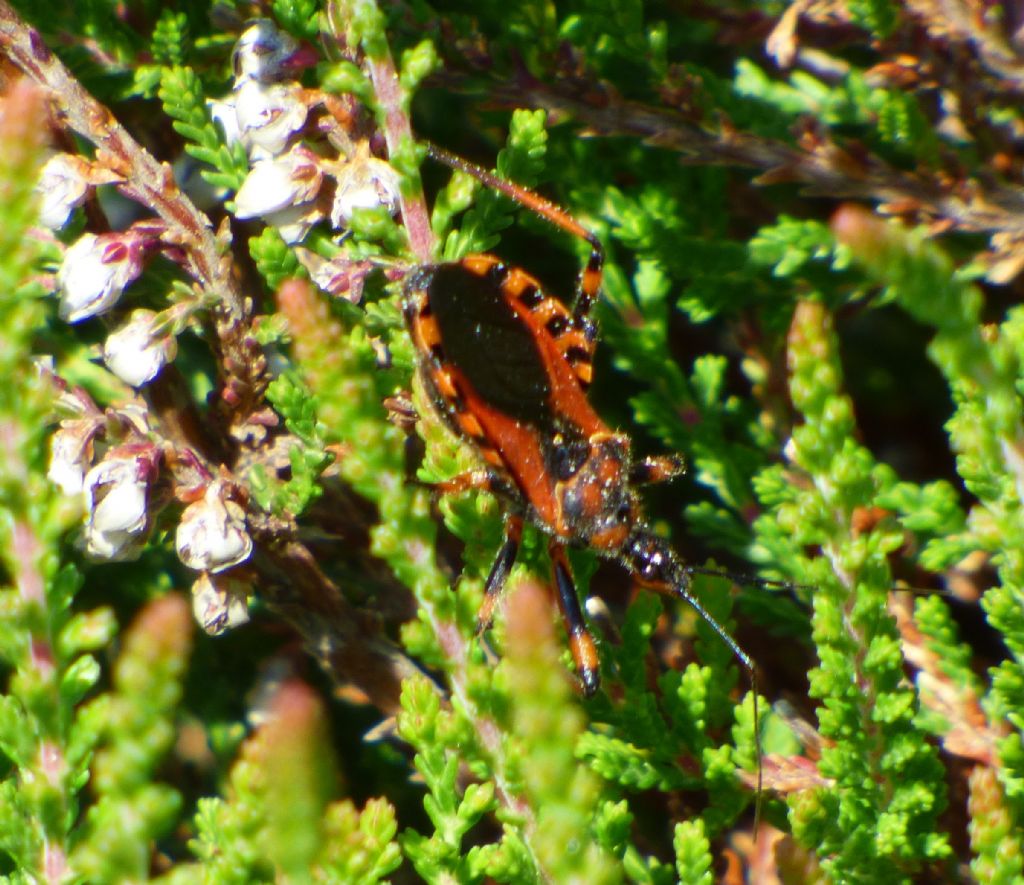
{"x":508,"y":368}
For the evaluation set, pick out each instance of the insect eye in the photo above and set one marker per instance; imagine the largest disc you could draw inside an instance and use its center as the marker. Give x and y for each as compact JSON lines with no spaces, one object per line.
{"x":645,"y":561}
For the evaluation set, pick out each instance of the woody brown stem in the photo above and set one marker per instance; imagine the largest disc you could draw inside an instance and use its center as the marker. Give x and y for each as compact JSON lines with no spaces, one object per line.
{"x":393,"y":117}
{"x":824,"y":168}
{"x":343,"y":639}
{"x":347,"y":643}
{"x":148,"y":180}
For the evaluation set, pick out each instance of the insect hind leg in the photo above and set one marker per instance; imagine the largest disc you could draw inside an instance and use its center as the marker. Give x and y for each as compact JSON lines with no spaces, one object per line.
{"x":581,"y":641}
{"x":588,"y":289}
{"x":588,"y":286}
{"x":503,"y":563}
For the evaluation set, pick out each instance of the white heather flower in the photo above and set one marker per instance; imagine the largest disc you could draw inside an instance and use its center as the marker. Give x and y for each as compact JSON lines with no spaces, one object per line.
{"x":140,"y":348}
{"x":64,"y":183}
{"x":294,"y":222}
{"x":364,"y":182}
{"x":266,"y":53}
{"x":116,"y":497}
{"x":223,"y":111}
{"x":134,"y":417}
{"x":219,"y":602}
{"x":281,"y":191}
{"x":71,"y":451}
{"x":278,"y":183}
{"x":62,"y":187}
{"x":341,"y":276}
{"x":268,"y":116}
{"x":211,"y":535}
{"x":95,"y":271}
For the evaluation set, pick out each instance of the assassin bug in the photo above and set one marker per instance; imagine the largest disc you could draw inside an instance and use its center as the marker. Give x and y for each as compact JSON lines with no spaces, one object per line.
{"x":508,"y":367}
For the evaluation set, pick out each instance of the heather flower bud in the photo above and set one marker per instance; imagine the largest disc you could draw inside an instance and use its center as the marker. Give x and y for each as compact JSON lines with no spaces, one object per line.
{"x":364,"y":183}
{"x":267,"y":116}
{"x":341,"y":276}
{"x":62,"y":188}
{"x":71,"y":453}
{"x":116,"y":495}
{"x":294,"y":222}
{"x":282,"y":190}
{"x":266,"y":53}
{"x":219,"y":602}
{"x":212,"y":535}
{"x":276,"y":184}
{"x":140,"y":348}
{"x":96,"y":270}
{"x":223,"y":111}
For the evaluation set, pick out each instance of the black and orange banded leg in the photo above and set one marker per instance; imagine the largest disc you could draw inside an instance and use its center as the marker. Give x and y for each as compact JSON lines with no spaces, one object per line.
{"x":657,"y":468}
{"x":588,"y":286}
{"x":489,"y":481}
{"x":482,"y":480}
{"x":581,"y":642}
{"x":503,"y":563}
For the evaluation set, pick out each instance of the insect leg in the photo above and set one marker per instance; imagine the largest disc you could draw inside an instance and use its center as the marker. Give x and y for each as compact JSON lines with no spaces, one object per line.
{"x":658,"y":468}
{"x":588,"y":288}
{"x":489,"y":481}
{"x":484,"y":480}
{"x":581,"y":642}
{"x":745,"y":580}
{"x":503,"y":563}
{"x":589,"y":285}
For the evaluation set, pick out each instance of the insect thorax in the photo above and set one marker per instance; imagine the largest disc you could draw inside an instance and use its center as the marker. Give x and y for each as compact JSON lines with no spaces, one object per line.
{"x":597,"y":505}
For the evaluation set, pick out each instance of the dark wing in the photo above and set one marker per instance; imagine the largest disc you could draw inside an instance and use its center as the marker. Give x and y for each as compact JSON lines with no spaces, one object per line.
{"x":489,"y":344}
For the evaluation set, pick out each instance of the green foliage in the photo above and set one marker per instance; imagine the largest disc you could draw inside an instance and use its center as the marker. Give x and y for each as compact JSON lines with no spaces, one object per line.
{"x":693,"y":858}
{"x":861,"y":667}
{"x":306,"y":456}
{"x":934,"y":619}
{"x":46,"y":648}
{"x":846,"y":395}
{"x":902,"y":122}
{"x":418,"y":63}
{"x":618,"y":33}
{"x":279,"y":818}
{"x":546,"y":730}
{"x":184,"y":102}
{"x":170,"y":38}
{"x":877,"y":16}
{"x":453,"y":815}
{"x":791,"y":245}
{"x":300,"y":17}
{"x":274,"y":260}
{"x":135,"y":726}
{"x":995,"y":837}
{"x":343,"y":77}
{"x":803,"y":93}
{"x":361,"y":846}
{"x":520,"y":161}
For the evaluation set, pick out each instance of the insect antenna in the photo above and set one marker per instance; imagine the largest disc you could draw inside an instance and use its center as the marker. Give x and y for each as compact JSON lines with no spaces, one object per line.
{"x":746,"y":580}
{"x":522,"y":195}
{"x":683,"y":592}
{"x":657,"y":566}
